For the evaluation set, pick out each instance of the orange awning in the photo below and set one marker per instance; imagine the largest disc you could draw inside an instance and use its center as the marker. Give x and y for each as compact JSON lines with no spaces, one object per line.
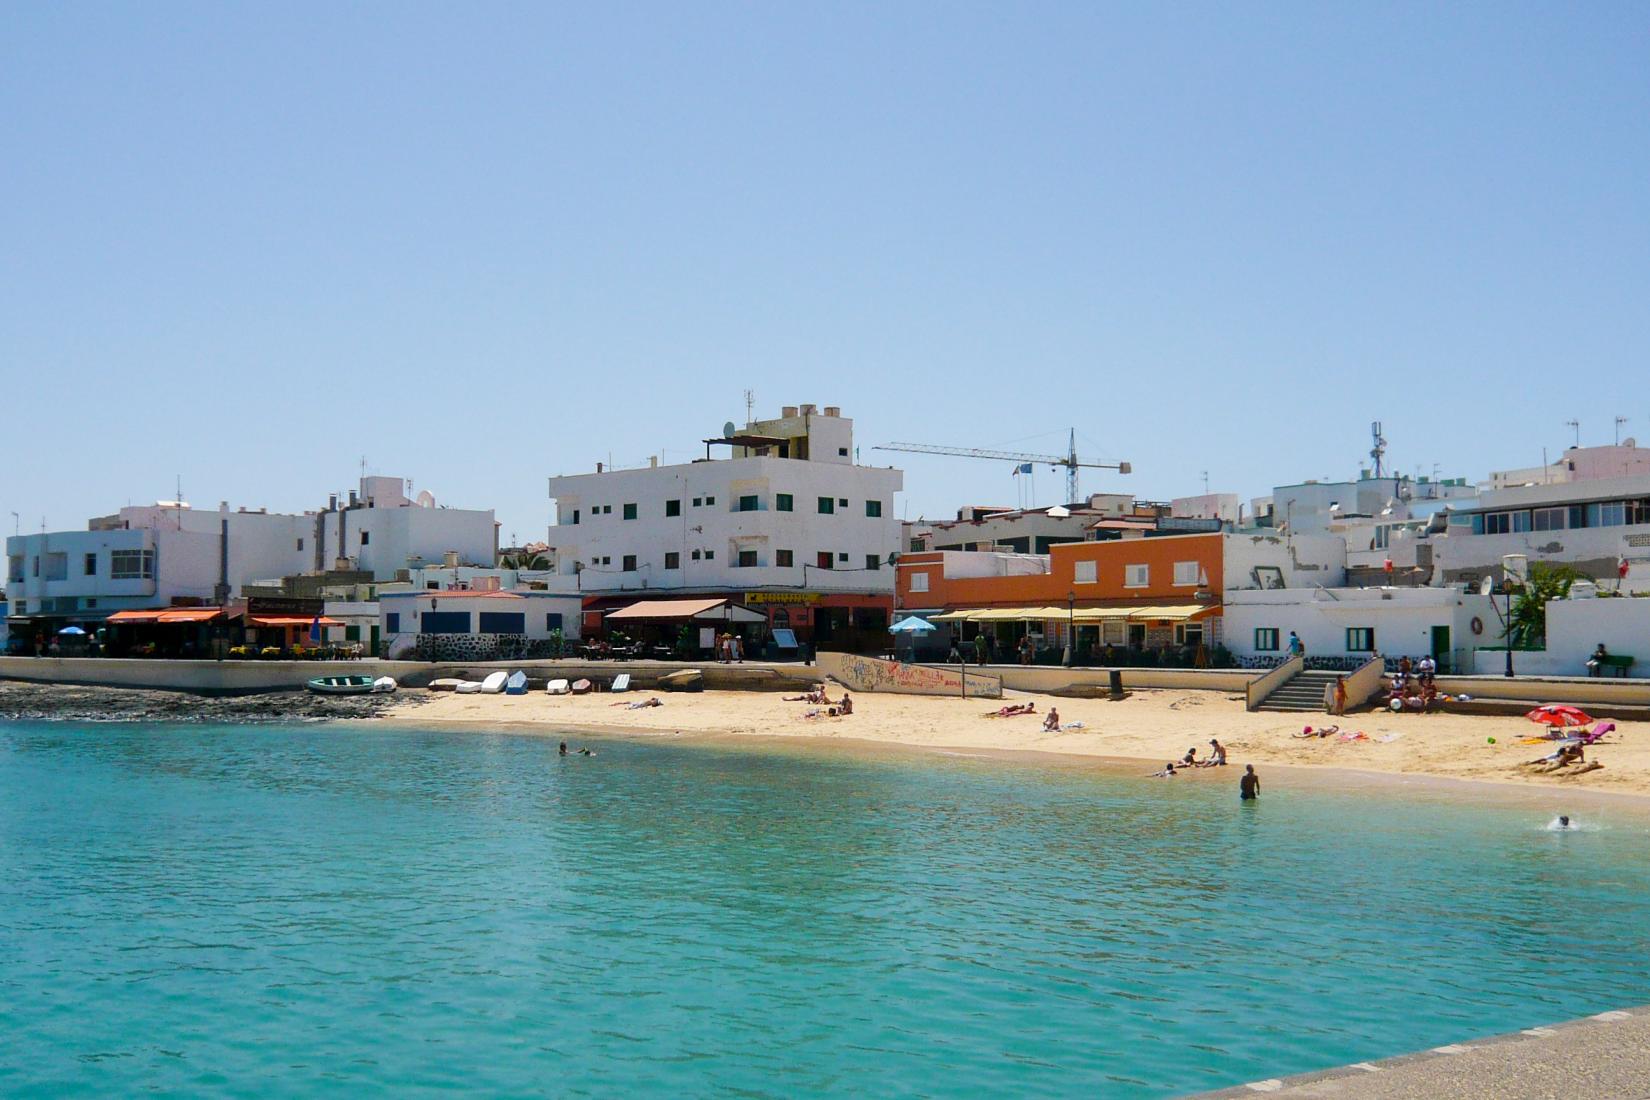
{"x":290,"y":620}
{"x":168,"y":615}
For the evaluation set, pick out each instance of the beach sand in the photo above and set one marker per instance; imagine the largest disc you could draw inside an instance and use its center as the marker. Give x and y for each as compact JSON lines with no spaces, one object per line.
{"x":1150,"y":726}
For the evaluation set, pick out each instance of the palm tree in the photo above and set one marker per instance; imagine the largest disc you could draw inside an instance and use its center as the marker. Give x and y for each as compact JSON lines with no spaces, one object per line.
{"x":1527,"y":627}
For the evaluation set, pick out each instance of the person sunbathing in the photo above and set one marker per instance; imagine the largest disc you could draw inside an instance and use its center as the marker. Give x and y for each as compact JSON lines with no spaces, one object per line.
{"x":1012,"y":710}
{"x":817,"y":695}
{"x":1051,"y":723}
{"x":1566,"y":755}
{"x":644,"y":704}
{"x":1325,"y":731}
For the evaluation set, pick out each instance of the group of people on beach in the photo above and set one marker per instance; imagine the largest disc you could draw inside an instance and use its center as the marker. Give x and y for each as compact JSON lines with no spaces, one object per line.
{"x":1414,"y":685}
{"x":823,"y":706}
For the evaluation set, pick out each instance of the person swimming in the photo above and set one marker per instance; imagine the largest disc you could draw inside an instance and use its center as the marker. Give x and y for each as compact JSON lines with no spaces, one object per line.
{"x":562,"y":750}
{"x":1563,"y":821}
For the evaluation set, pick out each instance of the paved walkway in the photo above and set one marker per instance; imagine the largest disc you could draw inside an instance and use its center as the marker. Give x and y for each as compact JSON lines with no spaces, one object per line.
{"x":1604,"y":1057}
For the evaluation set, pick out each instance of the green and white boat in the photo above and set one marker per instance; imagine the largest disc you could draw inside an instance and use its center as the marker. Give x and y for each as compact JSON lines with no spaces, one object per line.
{"x":341,"y":685}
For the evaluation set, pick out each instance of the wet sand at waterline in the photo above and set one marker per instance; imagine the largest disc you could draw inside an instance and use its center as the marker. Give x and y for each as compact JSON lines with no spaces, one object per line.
{"x":1151,"y":726}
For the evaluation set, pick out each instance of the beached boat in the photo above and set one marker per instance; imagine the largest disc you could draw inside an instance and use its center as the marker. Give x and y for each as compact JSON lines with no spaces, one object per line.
{"x":384,"y":685}
{"x":341,"y":685}
{"x":688,"y":679}
{"x":581,"y":687}
{"x":516,"y":684}
{"x":558,"y":687}
{"x":493,"y":684}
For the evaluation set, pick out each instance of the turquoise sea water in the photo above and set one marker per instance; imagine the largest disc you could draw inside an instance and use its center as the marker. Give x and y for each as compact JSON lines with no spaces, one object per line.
{"x":284,"y":911}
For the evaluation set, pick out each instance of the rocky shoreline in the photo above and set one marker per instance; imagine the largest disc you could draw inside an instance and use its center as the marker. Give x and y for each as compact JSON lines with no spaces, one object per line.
{"x":28,"y":702}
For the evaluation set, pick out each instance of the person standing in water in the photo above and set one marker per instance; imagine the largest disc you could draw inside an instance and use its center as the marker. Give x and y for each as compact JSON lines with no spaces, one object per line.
{"x":1249,"y":785}
{"x":562,"y":750}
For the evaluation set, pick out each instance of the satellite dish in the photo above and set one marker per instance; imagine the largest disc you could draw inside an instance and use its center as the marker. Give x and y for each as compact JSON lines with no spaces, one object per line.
{"x":728,"y":429}
{"x":1486,"y":586}
{"x":426,"y":499}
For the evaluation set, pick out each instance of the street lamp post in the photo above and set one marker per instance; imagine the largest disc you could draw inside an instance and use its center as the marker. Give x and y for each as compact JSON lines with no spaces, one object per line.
{"x":1506,"y":621}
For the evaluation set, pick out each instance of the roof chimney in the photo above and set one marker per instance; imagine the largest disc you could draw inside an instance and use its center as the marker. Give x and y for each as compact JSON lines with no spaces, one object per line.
{"x":598,"y":467}
{"x":788,"y":411}
{"x":450,"y":559}
{"x":809,"y":410}
{"x":653,"y":462}
{"x":833,"y":410}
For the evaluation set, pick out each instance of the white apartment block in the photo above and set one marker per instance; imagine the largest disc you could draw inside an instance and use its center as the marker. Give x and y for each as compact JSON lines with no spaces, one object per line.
{"x":788,"y":513}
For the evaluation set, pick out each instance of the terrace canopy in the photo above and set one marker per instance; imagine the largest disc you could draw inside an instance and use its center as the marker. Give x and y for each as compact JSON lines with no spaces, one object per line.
{"x":713,"y":610}
{"x":166,"y":615}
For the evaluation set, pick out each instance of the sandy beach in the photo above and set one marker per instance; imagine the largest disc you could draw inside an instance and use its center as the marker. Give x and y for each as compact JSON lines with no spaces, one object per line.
{"x":1151,"y":726}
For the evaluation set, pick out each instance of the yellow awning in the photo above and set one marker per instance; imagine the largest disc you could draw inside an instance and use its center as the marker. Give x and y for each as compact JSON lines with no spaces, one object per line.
{"x":1100,"y":614}
{"x":1172,"y":613}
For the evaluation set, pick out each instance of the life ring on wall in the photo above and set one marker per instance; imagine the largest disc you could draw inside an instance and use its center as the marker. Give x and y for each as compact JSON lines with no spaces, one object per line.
{"x":1477,"y":625}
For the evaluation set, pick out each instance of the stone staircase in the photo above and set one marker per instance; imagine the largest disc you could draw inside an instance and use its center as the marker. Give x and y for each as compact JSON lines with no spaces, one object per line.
{"x":1301,"y":692}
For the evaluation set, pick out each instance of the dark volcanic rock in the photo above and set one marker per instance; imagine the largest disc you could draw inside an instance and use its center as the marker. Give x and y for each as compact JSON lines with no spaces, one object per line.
{"x":65,"y":702}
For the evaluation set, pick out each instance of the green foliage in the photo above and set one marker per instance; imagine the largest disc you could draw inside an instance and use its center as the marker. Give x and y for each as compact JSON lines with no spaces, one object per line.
{"x":1528,"y":626}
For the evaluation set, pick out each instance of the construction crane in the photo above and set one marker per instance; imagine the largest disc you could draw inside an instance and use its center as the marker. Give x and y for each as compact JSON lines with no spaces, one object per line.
{"x":1069,"y":460}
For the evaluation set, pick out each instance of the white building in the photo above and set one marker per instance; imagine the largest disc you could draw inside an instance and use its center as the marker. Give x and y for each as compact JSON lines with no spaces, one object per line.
{"x":789,"y":523}
{"x":1627,"y":459}
{"x":169,"y":553}
{"x":456,"y":625}
{"x":1574,"y":628}
{"x":1355,"y":624}
{"x":382,"y":530}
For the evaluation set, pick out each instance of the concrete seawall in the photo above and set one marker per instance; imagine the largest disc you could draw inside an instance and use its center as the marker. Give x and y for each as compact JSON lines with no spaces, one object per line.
{"x":1607,"y":1055}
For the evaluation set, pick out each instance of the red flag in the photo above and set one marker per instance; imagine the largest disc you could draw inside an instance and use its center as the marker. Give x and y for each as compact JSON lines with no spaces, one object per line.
{"x":1621,"y":569}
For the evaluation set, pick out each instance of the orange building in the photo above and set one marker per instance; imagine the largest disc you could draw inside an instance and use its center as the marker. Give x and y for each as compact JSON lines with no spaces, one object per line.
{"x":1139,"y":594}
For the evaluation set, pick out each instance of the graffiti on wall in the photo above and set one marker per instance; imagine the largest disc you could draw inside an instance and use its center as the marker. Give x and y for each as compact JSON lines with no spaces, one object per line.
{"x":871,"y":674}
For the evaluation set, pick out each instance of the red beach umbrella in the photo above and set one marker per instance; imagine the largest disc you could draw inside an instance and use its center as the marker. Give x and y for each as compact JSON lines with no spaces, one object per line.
{"x":1559,"y":714}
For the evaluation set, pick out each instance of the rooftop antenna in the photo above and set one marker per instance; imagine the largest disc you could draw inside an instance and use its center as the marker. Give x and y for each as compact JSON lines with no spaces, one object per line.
{"x":363,"y":467}
{"x":1620,"y":420}
{"x":1575,"y":425}
{"x":1205,"y":482}
{"x":750,"y":407}
{"x":1378,"y":452}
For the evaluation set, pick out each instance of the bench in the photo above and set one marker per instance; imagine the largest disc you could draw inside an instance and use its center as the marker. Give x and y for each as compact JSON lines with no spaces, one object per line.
{"x":1619,"y":664}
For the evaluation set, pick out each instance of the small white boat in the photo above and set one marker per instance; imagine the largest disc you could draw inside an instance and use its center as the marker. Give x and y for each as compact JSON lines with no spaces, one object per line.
{"x":468,"y":687}
{"x":384,"y":685}
{"x":445,"y":684}
{"x":516,"y":684}
{"x":341,"y":685}
{"x":558,"y":687}
{"x":494,"y":683}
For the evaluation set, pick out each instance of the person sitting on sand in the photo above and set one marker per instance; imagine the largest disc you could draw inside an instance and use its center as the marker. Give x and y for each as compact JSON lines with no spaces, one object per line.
{"x":847,"y":706}
{"x":1189,"y":760}
{"x":1051,"y":723}
{"x":1217,"y":755}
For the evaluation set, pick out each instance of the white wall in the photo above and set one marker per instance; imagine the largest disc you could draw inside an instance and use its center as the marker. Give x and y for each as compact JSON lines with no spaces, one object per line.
{"x":1576,"y":627}
{"x":409,"y":606}
{"x":722,"y":531}
{"x":1306,"y":560}
{"x":400,"y":537}
{"x":1402,"y":618}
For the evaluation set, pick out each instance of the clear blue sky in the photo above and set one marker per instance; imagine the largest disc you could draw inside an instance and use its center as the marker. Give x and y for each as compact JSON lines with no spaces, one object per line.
{"x":482,"y":244}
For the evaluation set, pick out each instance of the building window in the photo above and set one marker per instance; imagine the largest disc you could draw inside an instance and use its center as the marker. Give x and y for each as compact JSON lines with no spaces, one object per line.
{"x":824,"y":559}
{"x":827,"y":506}
{"x":873,"y":561}
{"x":1360,"y":639}
{"x":873,"y":509}
{"x":1085,"y":572}
{"x":673,"y":508}
{"x":696,"y":555}
{"x":1188,"y":633}
{"x":575,"y":517}
{"x":698,"y":502}
{"x":918,"y":546}
{"x":1266,"y":639}
{"x":919,"y":582}
{"x":607,"y":561}
{"x":710,"y":555}
{"x":709,"y":501}
{"x":501,"y":622}
{"x":629,"y":511}
{"x":783,"y":558}
{"x":366,"y":537}
{"x":300,"y":546}
{"x":1186,"y":572}
{"x":842,"y":452}
{"x":91,"y":565}
{"x":842,"y":557}
{"x":782,"y":502}
{"x":131,"y":565}
{"x":607,"y":509}
{"x":392,"y":622}
{"x":673,"y":559}
{"x":747,"y":503}
{"x":747,"y":559}
{"x":628,"y":564}
{"x":1549,"y":519}
{"x":444,"y":622}
{"x":14,"y":570}
{"x":89,"y":603}
{"x":1137,"y":576}
{"x":842,"y":503}
{"x":552,"y":620}
{"x":22,"y":607}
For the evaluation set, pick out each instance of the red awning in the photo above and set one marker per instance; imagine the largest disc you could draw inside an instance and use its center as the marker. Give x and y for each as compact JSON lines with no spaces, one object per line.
{"x":167,"y":615}
{"x":290,"y":620}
